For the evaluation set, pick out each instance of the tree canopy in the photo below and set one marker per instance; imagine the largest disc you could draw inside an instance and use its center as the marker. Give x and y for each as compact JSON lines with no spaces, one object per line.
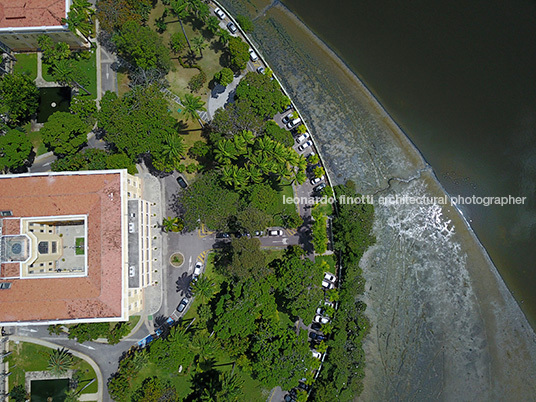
{"x":263,"y":94}
{"x":142,"y":46}
{"x":113,"y":14}
{"x":15,"y":149}
{"x":239,"y":52}
{"x":64,"y":133}
{"x":138,"y":123}
{"x":94,"y":159}
{"x":19,"y":98}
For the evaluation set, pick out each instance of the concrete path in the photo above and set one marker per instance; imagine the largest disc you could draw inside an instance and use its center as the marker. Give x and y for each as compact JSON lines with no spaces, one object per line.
{"x":220,"y":96}
{"x":99,"y":395}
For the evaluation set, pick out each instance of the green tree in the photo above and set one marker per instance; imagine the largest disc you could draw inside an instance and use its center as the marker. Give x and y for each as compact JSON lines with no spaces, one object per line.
{"x":247,"y":259}
{"x":230,"y":387}
{"x":198,"y":44}
{"x":114,"y":14}
{"x":153,"y":389}
{"x":181,"y":9}
{"x":224,"y":77}
{"x":245,"y":23}
{"x":239,"y":53}
{"x":263,"y":94}
{"x":64,"y":133}
{"x":18,"y":394}
{"x":320,"y":237}
{"x":19,"y":98}
{"x":79,"y":18}
{"x":177,"y":42}
{"x":59,"y":361}
{"x":203,"y":288}
{"x":172,"y":224}
{"x":173,"y":150}
{"x":223,"y":36}
{"x":143,"y":47}
{"x":314,"y":159}
{"x":319,"y":172}
{"x":209,"y":202}
{"x":52,"y":52}
{"x":276,"y":133}
{"x":192,"y":105}
{"x":252,"y":219}
{"x":213,"y":24}
{"x":86,"y":108}
{"x":236,"y":117}
{"x":15,"y":149}
{"x":71,"y":395}
{"x":65,"y":72}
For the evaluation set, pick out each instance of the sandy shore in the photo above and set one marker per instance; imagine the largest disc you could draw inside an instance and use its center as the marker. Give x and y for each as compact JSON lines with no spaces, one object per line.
{"x":445,"y":325}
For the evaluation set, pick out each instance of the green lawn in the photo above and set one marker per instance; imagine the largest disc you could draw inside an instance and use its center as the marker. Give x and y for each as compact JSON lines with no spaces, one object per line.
{"x":35,"y":138}
{"x":331,"y":260}
{"x":87,"y":66}
{"x":178,"y":77}
{"x":26,"y":64}
{"x":79,"y":243}
{"x":31,"y":357}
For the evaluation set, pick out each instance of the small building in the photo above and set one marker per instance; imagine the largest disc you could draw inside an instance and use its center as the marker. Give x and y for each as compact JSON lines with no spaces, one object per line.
{"x":74,"y":247}
{"x":23,"y":21}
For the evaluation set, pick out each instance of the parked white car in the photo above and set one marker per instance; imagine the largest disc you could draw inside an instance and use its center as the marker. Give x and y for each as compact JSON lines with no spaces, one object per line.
{"x":328,"y":285}
{"x":317,"y":180}
{"x":252,"y":55}
{"x":197,"y":269}
{"x":302,"y":137}
{"x":305,"y":145}
{"x":316,"y":354}
{"x":293,"y":123}
{"x":276,"y":232}
{"x":320,"y":319}
{"x":219,"y":13}
{"x":330,"y":277}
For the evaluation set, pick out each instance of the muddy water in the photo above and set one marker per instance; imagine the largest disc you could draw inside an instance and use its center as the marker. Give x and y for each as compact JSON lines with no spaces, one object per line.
{"x":445,"y":326}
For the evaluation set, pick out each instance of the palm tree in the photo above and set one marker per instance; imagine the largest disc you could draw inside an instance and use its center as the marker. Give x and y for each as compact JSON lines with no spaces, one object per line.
{"x":213,"y":24}
{"x":225,"y":151}
{"x":223,"y":36}
{"x":231,"y":387}
{"x":203,"y":288}
{"x":79,"y":18}
{"x":180,"y":9}
{"x":71,"y":395}
{"x":63,"y":72}
{"x":191,"y":106}
{"x":173,"y":149}
{"x":172,"y":224}
{"x":59,"y":361}
{"x":199,"y":44}
{"x":299,"y":177}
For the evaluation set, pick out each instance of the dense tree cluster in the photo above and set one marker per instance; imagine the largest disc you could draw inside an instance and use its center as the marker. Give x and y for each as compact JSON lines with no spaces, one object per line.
{"x":343,"y":371}
{"x":15,"y":150}
{"x":89,"y":332}
{"x":114,"y":14}
{"x":64,"y":133}
{"x":19,"y":98}
{"x":320,"y":237}
{"x":94,"y":159}
{"x":239,"y":52}
{"x":263,"y":94}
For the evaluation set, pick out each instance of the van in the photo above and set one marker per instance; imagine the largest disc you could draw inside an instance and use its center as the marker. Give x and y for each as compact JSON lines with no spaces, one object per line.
{"x":293,"y":123}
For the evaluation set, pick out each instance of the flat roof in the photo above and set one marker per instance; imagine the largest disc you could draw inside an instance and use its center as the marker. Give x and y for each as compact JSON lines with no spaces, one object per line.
{"x":97,"y":195}
{"x":32,"y":13}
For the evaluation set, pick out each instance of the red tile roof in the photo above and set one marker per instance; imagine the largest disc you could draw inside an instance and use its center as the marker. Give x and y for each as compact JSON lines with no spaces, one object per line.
{"x":31,"y":13}
{"x":99,"y":294}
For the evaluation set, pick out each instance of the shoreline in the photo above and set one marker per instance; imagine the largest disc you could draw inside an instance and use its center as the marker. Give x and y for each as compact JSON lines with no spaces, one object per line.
{"x":401,"y":137}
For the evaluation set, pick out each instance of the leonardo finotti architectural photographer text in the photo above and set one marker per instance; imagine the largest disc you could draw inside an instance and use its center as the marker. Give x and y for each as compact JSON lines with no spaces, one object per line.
{"x":409,"y":200}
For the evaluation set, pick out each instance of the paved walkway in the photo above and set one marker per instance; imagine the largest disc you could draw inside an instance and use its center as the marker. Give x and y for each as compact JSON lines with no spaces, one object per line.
{"x":220,"y":96}
{"x":98,"y":396}
{"x":40,"y":81}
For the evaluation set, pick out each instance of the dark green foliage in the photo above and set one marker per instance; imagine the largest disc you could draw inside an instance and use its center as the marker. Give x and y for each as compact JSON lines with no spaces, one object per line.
{"x":94,"y":159}
{"x":224,"y":77}
{"x":138,"y":123}
{"x":113,"y":14}
{"x":177,"y":42}
{"x":86,"y":108}
{"x":15,"y":149}
{"x":143,"y":47}
{"x":79,"y":18}
{"x":245,"y":23}
{"x":152,"y":389}
{"x":276,"y":133}
{"x":19,"y":98}
{"x":199,"y":150}
{"x":239,"y":52}
{"x":64,"y":133}
{"x":263,"y":94}
{"x":251,"y":219}
{"x":247,"y":259}
{"x":320,"y":237}
{"x":208,"y":201}
{"x":59,"y":361}
{"x":236,"y":117}
{"x":88,"y":332}
{"x":52,"y":52}
{"x":344,"y":367}
{"x":19,"y":394}
{"x":197,"y":81}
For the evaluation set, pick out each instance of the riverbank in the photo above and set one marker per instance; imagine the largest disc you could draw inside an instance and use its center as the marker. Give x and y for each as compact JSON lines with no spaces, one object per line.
{"x":444,"y":323}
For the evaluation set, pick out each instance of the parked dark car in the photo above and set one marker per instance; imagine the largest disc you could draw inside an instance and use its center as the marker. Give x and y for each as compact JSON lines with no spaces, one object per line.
{"x":319,"y":188}
{"x":317,"y":337}
{"x":222,"y":236}
{"x":182,"y":182}
{"x":316,"y":326}
{"x":232,"y":27}
{"x":304,"y":386}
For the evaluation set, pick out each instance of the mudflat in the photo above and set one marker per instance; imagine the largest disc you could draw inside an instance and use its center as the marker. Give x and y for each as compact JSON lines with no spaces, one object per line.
{"x":445,"y":325}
